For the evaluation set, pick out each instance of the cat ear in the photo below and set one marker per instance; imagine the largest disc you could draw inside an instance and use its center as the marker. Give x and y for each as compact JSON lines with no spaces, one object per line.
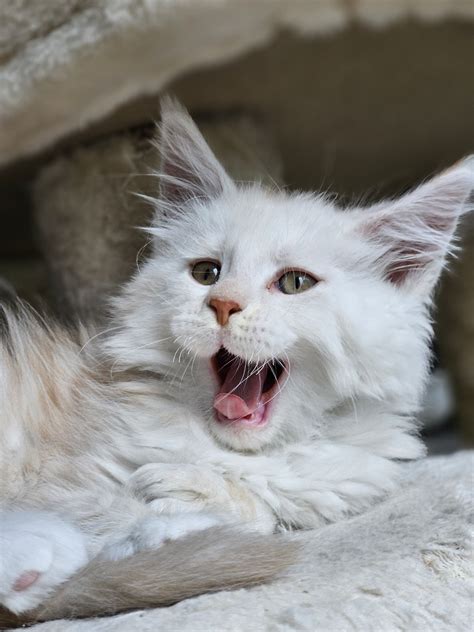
{"x":414,"y":234}
{"x":189,"y":169}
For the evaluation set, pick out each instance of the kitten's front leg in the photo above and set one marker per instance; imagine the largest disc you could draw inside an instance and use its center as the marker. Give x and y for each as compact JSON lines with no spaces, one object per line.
{"x":305,"y":486}
{"x":183,"y":488}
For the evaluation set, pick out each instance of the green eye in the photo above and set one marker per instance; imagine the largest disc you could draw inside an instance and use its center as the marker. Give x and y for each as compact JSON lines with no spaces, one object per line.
{"x":295,"y":282}
{"x":206,"y":272}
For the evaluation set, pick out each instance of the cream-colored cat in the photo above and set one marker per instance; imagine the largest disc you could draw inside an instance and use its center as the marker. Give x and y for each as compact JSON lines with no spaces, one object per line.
{"x":262,"y":369}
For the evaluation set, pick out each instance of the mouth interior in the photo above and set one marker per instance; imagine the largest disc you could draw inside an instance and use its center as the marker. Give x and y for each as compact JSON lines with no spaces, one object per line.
{"x":245,"y":388}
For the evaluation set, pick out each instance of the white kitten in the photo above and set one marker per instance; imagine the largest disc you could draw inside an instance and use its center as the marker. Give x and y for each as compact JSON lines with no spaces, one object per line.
{"x":263,"y":368}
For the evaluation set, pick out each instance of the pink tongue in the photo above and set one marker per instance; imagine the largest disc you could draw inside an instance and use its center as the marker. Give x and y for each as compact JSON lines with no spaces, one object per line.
{"x":240,"y":394}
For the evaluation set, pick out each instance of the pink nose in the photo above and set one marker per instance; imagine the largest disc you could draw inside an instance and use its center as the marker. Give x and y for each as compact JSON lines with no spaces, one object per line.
{"x":224,"y":309}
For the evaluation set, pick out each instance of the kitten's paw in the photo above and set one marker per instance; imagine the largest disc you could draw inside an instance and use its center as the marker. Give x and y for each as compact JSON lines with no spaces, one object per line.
{"x":176,"y":488}
{"x":192,"y":487}
{"x":38,"y":551}
{"x":154,"y":531}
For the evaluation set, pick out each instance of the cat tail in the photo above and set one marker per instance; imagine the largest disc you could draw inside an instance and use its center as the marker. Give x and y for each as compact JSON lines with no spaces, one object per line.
{"x":220,"y":558}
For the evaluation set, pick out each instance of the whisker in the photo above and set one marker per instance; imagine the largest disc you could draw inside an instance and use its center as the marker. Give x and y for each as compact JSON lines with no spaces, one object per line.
{"x":140,"y":252}
{"x":131,"y":352}
{"x":101,"y":333}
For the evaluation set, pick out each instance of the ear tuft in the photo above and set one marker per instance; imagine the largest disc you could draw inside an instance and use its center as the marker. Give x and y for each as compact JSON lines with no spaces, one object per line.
{"x":416,"y":232}
{"x":189,"y":169}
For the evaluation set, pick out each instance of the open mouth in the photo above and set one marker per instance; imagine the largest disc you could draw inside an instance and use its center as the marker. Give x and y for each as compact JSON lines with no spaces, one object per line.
{"x":247,"y":390}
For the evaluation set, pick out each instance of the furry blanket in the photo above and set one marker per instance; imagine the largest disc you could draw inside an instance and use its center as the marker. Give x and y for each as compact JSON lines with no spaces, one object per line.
{"x":404,"y":565}
{"x":67,"y":63}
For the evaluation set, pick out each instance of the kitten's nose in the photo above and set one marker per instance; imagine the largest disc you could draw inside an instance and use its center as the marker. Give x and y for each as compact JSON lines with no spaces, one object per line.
{"x":224,"y":309}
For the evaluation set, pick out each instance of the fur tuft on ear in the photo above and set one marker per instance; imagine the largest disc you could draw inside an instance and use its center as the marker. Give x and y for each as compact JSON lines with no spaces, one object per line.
{"x":415,"y":233}
{"x":189,"y":169}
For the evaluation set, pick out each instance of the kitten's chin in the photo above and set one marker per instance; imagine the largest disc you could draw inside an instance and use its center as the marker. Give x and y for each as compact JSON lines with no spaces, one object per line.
{"x":244,"y":438}
{"x":246,"y":394}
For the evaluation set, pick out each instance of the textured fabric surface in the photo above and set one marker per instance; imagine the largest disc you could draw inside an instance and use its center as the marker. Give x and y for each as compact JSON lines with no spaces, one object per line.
{"x":404,"y":565}
{"x":65,"y":64}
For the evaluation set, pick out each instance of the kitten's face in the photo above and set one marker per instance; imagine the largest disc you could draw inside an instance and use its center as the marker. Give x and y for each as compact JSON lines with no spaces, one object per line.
{"x":283,"y":360}
{"x":258,"y":361}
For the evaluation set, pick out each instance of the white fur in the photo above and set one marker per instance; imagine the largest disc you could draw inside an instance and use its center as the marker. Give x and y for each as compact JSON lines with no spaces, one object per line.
{"x":118,"y":432}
